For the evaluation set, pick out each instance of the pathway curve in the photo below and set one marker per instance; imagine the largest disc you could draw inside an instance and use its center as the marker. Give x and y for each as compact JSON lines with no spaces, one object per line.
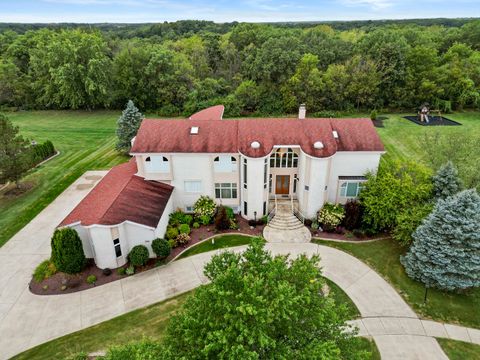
{"x":27,"y":320}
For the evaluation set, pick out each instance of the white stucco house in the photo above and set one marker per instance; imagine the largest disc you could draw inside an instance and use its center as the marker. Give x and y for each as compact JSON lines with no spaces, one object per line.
{"x":242,"y":163}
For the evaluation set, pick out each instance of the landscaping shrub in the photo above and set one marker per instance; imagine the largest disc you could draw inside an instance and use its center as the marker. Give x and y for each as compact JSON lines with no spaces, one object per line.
{"x":353,"y":215}
{"x":121,"y":271}
{"x":44,"y":270}
{"x":205,"y":219}
{"x":182,"y":239}
{"x":171,"y":233}
{"x":91,"y":279}
{"x":187,"y":219}
{"x":130,"y":270}
{"x":315,"y":225}
{"x":138,"y":255}
{"x":184,"y":229}
{"x":373,"y":115}
{"x":222,"y":220}
{"x":205,"y":206}
{"x":196,"y":225}
{"x":176,"y":218}
{"x":395,"y":187}
{"x":308,"y":222}
{"x":107,"y":272}
{"x":173,"y":243}
{"x":409,"y":220}
{"x":67,"y":251}
{"x":233,"y":224}
{"x":161,"y":248}
{"x":446,"y":181}
{"x":42,"y":152}
{"x":330,"y":216}
{"x":230,"y":213}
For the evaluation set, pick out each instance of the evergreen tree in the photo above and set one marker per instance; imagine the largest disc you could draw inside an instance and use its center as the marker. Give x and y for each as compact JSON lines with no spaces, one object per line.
{"x":446,"y":181}
{"x":127,"y":126}
{"x":15,"y":155}
{"x":446,"y":250}
{"x":67,"y":251}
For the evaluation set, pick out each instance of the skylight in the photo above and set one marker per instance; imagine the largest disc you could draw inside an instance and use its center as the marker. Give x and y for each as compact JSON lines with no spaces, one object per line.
{"x":194,"y":130}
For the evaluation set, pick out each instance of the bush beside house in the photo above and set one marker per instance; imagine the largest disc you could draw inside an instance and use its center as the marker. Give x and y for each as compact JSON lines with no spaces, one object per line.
{"x":67,"y":251}
{"x":138,"y":256}
{"x":161,"y":248}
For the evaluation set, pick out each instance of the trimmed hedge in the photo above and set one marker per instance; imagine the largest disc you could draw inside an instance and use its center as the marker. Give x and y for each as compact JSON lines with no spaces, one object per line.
{"x":67,"y":251}
{"x":138,"y":255}
{"x":42,"y":152}
{"x":161,"y":248}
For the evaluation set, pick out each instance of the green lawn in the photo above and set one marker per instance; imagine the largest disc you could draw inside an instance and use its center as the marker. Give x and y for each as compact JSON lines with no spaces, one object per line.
{"x":383,"y":256}
{"x":459,"y":350}
{"x":86,"y":142}
{"x":220,"y":242}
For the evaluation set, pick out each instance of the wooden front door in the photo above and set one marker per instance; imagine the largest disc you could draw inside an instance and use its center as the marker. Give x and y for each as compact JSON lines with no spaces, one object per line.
{"x":282,"y":184}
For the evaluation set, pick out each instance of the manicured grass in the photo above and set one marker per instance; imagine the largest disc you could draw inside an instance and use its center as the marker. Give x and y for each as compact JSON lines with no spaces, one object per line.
{"x":341,"y":297}
{"x":220,"y":242}
{"x":369,"y":345}
{"x":86,"y":142}
{"x":384,"y":255}
{"x":150,"y":321}
{"x":459,"y":350}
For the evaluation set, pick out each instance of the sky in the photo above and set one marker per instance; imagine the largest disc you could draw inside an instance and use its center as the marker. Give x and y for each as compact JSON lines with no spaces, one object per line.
{"x":140,"y":11}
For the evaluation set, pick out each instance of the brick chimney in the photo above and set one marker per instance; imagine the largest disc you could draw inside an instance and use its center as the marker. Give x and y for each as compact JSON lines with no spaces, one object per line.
{"x":302,"y":110}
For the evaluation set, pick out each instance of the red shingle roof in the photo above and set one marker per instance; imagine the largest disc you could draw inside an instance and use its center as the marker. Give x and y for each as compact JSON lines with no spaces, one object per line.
{"x":122,"y":196}
{"x":232,"y":136}
{"x":211,"y":113}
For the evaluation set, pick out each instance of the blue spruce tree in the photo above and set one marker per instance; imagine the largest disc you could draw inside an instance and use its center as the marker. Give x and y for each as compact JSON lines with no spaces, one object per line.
{"x":446,"y":250}
{"x":127,"y":126}
{"x":446,"y":181}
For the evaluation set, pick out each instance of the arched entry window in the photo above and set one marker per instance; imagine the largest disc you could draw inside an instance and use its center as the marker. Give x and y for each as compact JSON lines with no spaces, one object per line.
{"x":284,"y":159}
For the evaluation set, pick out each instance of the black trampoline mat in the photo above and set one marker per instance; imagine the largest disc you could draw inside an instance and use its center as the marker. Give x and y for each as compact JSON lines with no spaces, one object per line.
{"x":433,"y":121}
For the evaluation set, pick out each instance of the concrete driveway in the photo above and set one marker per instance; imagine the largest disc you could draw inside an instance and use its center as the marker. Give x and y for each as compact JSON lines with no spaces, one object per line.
{"x":27,"y":320}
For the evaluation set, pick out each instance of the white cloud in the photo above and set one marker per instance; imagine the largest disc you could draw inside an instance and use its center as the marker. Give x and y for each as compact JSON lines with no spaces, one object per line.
{"x":374,"y":4}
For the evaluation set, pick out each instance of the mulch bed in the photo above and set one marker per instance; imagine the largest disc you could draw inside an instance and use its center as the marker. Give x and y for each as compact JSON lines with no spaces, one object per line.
{"x":78,"y":282}
{"x":433,"y":121}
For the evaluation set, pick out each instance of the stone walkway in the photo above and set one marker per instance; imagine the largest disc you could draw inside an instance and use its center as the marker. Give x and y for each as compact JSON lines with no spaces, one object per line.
{"x":285,"y":227}
{"x":27,"y":320}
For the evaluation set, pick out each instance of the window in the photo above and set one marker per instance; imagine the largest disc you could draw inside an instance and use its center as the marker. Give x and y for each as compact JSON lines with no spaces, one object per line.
{"x":225,"y":164}
{"x":270,"y":182}
{"x":265,"y":171}
{"x":193,"y":186}
{"x":118,"y":249}
{"x":225,"y":190}
{"x":295,"y":180}
{"x":157,"y":164}
{"x":245,"y":208}
{"x":351,"y":188}
{"x":189,"y":209}
{"x":244,"y":173}
{"x":284,"y":159}
{"x":264,"y":208}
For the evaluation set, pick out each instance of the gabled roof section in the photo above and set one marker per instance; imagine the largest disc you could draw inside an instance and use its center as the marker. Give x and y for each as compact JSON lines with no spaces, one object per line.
{"x":122,"y":196}
{"x":211,"y":113}
{"x":175,"y":136}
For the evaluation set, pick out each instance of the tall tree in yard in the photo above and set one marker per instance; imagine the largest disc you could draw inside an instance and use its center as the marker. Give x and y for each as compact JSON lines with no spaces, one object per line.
{"x":261,"y":307}
{"x":446,"y":181}
{"x":446,"y":249}
{"x":15,"y":154}
{"x":127,"y":126}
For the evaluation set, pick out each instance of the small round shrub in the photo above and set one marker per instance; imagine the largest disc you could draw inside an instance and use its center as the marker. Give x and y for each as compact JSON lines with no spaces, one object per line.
{"x":91,"y":279}
{"x":204,"y":206}
{"x":44,"y":270}
{"x":130,"y":270}
{"x":183,"y":239}
{"x":188,"y":219}
{"x":67,"y":251}
{"x":173,"y":243}
{"x":184,"y":229}
{"x":138,"y":255}
{"x":107,"y":272}
{"x":205,"y":219}
{"x":121,"y":271}
{"x":171,"y":233}
{"x":161,"y":248}
{"x":196,"y":225}
{"x":373,"y":115}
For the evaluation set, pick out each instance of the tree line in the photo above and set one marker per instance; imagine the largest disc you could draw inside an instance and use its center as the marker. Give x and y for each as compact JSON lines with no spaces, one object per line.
{"x":179,"y":68}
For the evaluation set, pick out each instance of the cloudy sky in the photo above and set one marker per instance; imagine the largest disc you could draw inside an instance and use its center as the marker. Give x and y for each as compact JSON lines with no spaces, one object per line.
{"x":136,"y":11}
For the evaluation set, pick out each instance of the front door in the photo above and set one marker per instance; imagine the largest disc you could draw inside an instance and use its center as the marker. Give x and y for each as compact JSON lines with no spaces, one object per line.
{"x":282,"y":184}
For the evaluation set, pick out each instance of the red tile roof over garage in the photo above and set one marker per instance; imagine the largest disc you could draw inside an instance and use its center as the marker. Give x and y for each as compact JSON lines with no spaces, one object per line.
{"x":122,"y":196}
{"x":236,"y":135}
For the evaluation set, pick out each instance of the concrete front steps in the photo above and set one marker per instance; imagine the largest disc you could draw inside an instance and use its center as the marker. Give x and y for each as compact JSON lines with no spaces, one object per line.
{"x":285,"y":227}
